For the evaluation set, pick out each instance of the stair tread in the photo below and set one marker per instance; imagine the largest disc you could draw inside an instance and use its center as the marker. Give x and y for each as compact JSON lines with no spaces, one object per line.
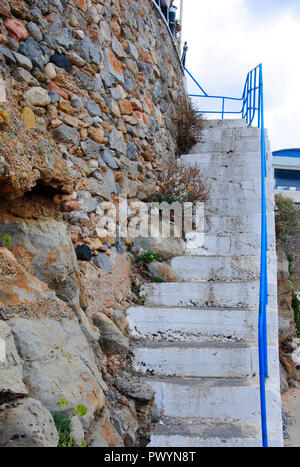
{"x":145,"y":343}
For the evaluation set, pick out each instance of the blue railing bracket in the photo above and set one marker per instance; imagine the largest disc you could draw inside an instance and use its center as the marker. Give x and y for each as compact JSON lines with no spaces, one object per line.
{"x":252,"y":110}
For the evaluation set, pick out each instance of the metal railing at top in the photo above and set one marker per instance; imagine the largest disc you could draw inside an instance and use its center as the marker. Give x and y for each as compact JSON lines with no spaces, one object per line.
{"x":252,"y":110}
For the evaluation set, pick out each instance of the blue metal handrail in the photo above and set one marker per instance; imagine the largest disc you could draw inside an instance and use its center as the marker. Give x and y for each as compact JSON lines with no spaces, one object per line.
{"x":252,"y":108}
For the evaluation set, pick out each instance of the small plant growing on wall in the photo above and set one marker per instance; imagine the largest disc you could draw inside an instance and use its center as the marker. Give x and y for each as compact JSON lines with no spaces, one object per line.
{"x":63,"y":425}
{"x":5,"y":240}
{"x":179,"y":182}
{"x":189,"y":125}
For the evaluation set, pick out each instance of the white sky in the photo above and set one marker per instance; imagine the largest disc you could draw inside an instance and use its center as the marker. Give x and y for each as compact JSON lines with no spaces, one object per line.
{"x":227,"y":38}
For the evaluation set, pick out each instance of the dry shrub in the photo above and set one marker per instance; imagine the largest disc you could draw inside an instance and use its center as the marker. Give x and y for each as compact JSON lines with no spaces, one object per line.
{"x":189,"y":126}
{"x":181,"y":182}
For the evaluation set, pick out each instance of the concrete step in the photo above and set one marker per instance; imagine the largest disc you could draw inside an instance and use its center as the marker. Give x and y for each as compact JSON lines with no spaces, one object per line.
{"x":237,"y":225}
{"x":206,"y":294}
{"x":190,"y":433}
{"x":228,"y":123}
{"x":234,"y":207}
{"x":215,"y":399}
{"x":227,"y":172}
{"x":178,"y":324}
{"x":228,"y":134}
{"x":216,"y":268}
{"x":223,"y":159}
{"x":227,"y":245}
{"x":238,"y":189}
{"x":245,"y":145}
{"x":200,"y":360}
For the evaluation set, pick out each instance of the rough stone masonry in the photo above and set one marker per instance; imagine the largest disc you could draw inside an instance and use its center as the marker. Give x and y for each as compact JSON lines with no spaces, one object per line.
{"x":89,"y":93}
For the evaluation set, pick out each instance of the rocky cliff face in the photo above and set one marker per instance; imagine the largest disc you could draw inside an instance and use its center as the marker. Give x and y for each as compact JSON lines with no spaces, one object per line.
{"x":88,"y":96}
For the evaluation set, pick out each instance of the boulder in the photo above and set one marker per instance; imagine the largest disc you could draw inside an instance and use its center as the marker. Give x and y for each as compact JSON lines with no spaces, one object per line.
{"x":163,"y":271}
{"x":37,"y":96}
{"x":59,"y":363}
{"x":27,"y":423}
{"x":134,"y":388}
{"x":11,"y":370}
{"x":45,"y":249}
{"x":111,"y":338}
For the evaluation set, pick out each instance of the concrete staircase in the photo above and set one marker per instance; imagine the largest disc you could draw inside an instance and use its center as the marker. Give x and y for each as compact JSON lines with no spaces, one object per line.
{"x":195,"y":341}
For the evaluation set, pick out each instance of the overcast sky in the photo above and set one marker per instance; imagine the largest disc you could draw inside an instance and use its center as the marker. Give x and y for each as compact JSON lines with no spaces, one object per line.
{"x":227,"y":38}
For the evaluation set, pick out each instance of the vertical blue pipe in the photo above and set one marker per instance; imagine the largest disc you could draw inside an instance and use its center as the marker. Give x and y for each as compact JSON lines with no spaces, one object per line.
{"x":262,"y":324}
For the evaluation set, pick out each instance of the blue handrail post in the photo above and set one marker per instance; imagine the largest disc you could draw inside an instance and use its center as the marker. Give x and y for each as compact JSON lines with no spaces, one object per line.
{"x":262,"y":324}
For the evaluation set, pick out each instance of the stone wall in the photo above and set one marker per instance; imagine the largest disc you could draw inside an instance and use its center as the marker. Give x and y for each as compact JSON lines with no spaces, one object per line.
{"x":88,"y":100}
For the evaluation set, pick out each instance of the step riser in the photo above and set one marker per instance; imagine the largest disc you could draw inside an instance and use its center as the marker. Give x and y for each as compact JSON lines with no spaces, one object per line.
{"x":201,"y":362}
{"x":238,"y":268}
{"x":217,"y":135}
{"x":236,"y":225}
{"x":234,"y":207}
{"x":227,"y":245}
{"x":193,"y":442}
{"x":190,"y":325}
{"x":211,"y":294}
{"x":223,"y":160}
{"x":247,"y":145}
{"x":213,"y":402}
{"x":224,"y":124}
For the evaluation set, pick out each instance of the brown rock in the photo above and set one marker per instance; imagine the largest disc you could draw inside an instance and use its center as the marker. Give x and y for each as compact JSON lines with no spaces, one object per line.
{"x":54,"y":87}
{"x":16,"y":28}
{"x":96,"y":133}
{"x":3,"y":11}
{"x":70,"y":206}
{"x":66,"y":107}
{"x":28,"y":117}
{"x":79,"y":4}
{"x":126,"y":107}
{"x":55,"y":123}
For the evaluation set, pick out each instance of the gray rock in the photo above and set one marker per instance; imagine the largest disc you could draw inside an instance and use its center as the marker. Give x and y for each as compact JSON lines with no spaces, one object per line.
{"x":125,"y":421}
{"x":64,"y":38}
{"x":35,"y":31}
{"x":27,"y":423}
{"x":111,"y":338}
{"x":13,"y":44}
{"x":109,"y":159}
{"x":107,"y":78}
{"x":59,"y":362}
{"x":109,"y":185}
{"x":37,"y":96}
{"x":90,"y":149}
{"x":115,"y":93}
{"x":23,"y":61}
{"x":128,"y":81}
{"x":87,"y":202}
{"x":116,"y":141}
{"x":66,"y":134}
{"x":56,"y":4}
{"x":84,"y":80}
{"x":134,"y":388}
{"x":119,"y":76}
{"x":163,"y":271}
{"x":117,"y":48}
{"x":89,"y":51}
{"x":132,"y":50}
{"x":37,"y":53}
{"x":77,"y":432}
{"x":166,"y":247}
{"x":49,"y":245}
{"x":131,"y":151}
{"x":80,"y":217}
{"x":93,"y":109}
{"x":105,"y":262}
{"x":7,"y":54}
{"x":20,"y":74}
{"x":54,"y":98}
{"x":11,"y":381}
{"x":42,"y":5}
{"x":77,"y":102}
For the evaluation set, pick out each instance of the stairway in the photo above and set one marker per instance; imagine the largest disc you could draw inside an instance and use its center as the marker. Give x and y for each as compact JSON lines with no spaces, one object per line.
{"x":195,"y":341}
